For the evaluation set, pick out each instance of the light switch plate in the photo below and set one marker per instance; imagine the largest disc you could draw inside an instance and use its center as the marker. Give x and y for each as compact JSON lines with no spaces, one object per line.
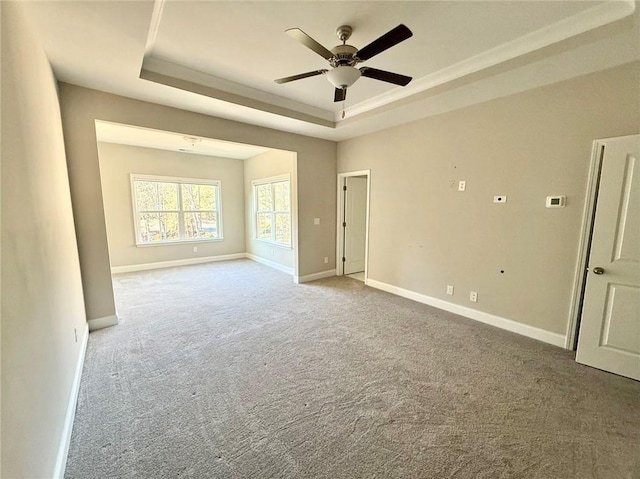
{"x":316,"y":221}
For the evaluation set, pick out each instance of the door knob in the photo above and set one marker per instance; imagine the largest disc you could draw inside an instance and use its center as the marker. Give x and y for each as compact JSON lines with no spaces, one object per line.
{"x":598,"y":270}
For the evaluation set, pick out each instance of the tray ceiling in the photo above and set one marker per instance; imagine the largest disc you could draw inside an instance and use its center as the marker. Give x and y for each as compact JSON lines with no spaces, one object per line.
{"x":221,"y":58}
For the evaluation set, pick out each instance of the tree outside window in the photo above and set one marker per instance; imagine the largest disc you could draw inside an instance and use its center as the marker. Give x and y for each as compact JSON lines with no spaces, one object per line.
{"x":272,"y":210}
{"x":174,"y":209}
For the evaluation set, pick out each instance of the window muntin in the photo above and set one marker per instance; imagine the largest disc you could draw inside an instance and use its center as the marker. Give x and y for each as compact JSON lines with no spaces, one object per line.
{"x":170,"y":210}
{"x":272,"y":210}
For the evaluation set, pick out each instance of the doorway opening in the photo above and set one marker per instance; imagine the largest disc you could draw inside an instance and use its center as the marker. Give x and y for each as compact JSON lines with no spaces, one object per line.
{"x":352,"y":245}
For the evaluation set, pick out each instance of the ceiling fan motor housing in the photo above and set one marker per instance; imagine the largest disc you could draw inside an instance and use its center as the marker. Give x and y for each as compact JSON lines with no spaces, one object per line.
{"x":343,"y":55}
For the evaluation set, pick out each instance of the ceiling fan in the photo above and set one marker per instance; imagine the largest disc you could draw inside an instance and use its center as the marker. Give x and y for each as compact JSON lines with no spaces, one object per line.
{"x":344,"y":58}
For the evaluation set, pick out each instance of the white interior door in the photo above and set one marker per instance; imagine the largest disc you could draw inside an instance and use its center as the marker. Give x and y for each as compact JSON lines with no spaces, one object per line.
{"x":609,"y":336}
{"x":356,"y":220}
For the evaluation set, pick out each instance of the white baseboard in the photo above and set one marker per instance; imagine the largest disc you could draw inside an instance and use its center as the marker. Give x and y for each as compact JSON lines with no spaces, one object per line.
{"x":314,"y":276}
{"x":502,"y":323}
{"x":272,"y":264}
{"x":99,"y":323}
{"x":179,"y":262}
{"x":65,"y":440}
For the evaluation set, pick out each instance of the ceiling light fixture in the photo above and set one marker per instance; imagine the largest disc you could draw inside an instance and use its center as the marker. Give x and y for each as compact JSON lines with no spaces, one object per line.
{"x":192,"y":140}
{"x":343,"y":76}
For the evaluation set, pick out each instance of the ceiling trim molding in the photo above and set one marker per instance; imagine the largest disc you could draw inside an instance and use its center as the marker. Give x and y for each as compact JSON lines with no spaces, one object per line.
{"x":237,"y":99}
{"x":154,"y":26}
{"x":229,"y":90}
{"x":582,"y":22}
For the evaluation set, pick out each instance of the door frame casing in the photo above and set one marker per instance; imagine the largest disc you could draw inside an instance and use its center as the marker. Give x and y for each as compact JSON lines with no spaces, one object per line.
{"x":588,"y":218}
{"x":340,"y":219}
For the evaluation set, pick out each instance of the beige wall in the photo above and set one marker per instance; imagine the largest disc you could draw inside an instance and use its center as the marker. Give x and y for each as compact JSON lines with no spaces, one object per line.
{"x":269,"y":164}
{"x":118,"y":162}
{"x":41,"y":288}
{"x":424,"y":234}
{"x":81,"y":107}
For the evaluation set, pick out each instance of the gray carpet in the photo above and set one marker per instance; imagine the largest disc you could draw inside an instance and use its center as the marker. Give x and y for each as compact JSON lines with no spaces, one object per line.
{"x":231,"y":370}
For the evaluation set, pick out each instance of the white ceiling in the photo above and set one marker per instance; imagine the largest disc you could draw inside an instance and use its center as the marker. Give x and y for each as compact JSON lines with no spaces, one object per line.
{"x":172,"y":141}
{"x":221,"y":57}
{"x":244,"y":42}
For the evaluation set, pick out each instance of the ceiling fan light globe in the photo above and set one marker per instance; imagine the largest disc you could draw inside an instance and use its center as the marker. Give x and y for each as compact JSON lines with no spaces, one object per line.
{"x":343,"y":76}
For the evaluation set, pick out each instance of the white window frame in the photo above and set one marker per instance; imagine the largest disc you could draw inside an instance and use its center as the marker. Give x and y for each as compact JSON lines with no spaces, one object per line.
{"x":180,"y":211}
{"x":270,"y":181}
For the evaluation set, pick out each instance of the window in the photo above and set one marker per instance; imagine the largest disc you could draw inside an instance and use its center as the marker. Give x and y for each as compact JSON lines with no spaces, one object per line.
{"x":169,"y":210}
{"x":272,"y":210}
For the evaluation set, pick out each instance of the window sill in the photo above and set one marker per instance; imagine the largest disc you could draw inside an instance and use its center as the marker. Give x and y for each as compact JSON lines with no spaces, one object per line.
{"x":168,"y":243}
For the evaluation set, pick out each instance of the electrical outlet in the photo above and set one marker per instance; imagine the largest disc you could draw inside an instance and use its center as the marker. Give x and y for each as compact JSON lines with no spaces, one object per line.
{"x":473,"y":297}
{"x":326,"y":259}
{"x":500,"y":199}
{"x":450,"y":290}
{"x":462,"y":185}
{"x":195,"y":249}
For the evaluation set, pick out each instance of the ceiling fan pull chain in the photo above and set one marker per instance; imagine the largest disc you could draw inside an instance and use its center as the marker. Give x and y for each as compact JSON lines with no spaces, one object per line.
{"x":343,"y":107}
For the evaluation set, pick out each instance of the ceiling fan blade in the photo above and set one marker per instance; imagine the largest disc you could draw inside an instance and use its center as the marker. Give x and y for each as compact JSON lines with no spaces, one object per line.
{"x":383,"y":75}
{"x":340,"y":94}
{"x":309,"y":42}
{"x":389,"y":39}
{"x":300,"y":76}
